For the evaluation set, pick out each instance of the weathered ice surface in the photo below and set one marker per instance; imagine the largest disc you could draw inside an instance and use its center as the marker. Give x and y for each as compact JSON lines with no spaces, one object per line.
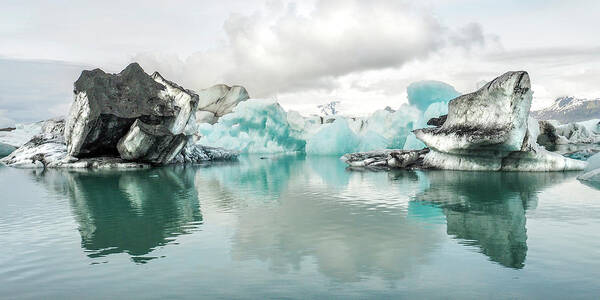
{"x":554,"y":133}
{"x":48,"y":150}
{"x":569,"y":110}
{"x":150,"y":143}
{"x":125,"y":120}
{"x":385,"y":159}
{"x":196,"y":153}
{"x":217,"y":101}
{"x":490,"y":130}
{"x":107,"y":105}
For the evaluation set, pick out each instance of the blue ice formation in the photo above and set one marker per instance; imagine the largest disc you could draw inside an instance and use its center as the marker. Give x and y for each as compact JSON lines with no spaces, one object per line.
{"x":424,"y":93}
{"x":256,"y":126}
{"x":334,"y":138}
{"x":262,"y":126}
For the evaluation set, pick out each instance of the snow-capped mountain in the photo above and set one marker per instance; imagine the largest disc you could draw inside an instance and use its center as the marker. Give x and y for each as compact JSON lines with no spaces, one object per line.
{"x":570,"y":109}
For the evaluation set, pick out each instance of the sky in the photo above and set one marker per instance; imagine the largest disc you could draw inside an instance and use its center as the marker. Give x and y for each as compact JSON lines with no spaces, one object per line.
{"x":304,"y":53}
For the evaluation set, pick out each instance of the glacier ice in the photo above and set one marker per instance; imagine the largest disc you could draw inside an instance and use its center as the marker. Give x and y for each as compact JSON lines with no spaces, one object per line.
{"x":592,"y":170}
{"x":554,"y":133}
{"x":424,"y":93}
{"x":262,"y":126}
{"x":333,"y":138}
{"x":124,"y":120}
{"x":217,"y":101}
{"x":490,"y":129}
{"x":254,"y":126}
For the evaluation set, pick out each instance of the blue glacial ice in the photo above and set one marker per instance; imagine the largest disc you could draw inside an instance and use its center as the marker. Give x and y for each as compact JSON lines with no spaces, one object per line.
{"x":255,"y":126}
{"x":424,"y":93}
{"x":263,"y":126}
{"x":333,"y":138}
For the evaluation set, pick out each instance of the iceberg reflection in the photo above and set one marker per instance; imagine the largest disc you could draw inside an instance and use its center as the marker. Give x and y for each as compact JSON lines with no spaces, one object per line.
{"x":129,"y":211}
{"x":488,"y":209}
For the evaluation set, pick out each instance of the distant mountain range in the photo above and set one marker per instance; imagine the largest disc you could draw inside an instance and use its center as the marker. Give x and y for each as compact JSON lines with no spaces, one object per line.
{"x":570,"y":109}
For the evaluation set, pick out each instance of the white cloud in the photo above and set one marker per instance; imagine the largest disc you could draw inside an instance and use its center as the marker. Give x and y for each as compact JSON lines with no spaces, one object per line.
{"x":363,"y":53}
{"x":286,"y":48}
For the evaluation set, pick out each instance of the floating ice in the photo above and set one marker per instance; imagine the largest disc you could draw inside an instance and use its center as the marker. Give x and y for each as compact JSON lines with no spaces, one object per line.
{"x":254,"y":126}
{"x":592,"y":171}
{"x":490,"y":130}
{"x":334,"y":138}
{"x":424,"y":93}
{"x":262,"y":126}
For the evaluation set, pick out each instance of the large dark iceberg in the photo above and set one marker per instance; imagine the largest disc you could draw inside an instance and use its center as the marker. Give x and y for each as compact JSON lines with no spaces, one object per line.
{"x":129,"y":119}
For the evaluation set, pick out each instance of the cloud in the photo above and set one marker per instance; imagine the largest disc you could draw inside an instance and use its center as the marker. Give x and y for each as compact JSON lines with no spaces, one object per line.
{"x":287,"y":47}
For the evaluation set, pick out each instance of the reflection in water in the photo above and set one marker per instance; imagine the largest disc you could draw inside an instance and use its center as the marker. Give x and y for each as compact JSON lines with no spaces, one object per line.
{"x":348,"y":239}
{"x":129,"y":211}
{"x":355,"y":224}
{"x":292,"y":210}
{"x":488,"y":209}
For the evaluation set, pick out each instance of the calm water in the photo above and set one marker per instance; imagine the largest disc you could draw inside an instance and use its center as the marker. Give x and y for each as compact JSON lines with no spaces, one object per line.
{"x":294,"y":227}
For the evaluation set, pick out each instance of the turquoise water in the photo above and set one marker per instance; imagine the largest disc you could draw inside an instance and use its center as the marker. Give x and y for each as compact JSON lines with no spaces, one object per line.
{"x":296,"y":227}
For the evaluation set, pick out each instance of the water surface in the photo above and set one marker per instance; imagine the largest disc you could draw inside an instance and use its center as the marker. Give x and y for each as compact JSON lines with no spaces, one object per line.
{"x":296,"y":227}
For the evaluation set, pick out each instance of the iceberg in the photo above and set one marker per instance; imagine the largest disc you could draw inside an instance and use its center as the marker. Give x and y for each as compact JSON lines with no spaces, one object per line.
{"x":336,"y":138}
{"x":254,"y":126}
{"x":592,"y":171}
{"x":490,"y":129}
{"x":262,"y":126}
{"x":217,"y":101}
{"x":422,"y":94}
{"x":554,"y":133}
{"x":124,"y":120}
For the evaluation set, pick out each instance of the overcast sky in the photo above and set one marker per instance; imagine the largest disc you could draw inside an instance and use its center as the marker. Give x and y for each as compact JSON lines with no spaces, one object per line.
{"x":362,"y":53}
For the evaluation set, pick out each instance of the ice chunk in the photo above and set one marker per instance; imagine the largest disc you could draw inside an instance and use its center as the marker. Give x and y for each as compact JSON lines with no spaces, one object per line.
{"x":412,"y":143}
{"x":254,"y":126}
{"x":435,"y":110}
{"x":554,"y":133}
{"x":394,"y":126}
{"x":333,"y":138}
{"x":490,"y":130}
{"x":423,"y":93}
{"x":219,"y":100}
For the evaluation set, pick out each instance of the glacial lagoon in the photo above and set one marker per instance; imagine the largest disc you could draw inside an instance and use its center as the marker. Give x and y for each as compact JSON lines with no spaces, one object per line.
{"x":292,"y":226}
